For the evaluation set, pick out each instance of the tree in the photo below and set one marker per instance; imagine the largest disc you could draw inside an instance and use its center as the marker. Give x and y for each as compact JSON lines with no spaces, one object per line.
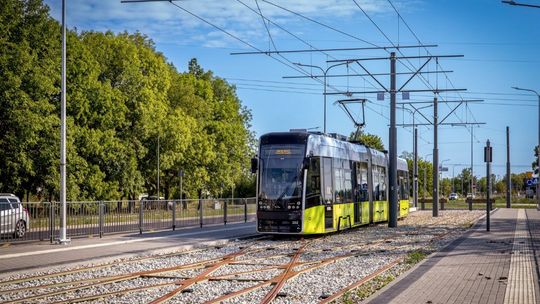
{"x":29,"y":78}
{"x":369,"y":140}
{"x":122,"y":96}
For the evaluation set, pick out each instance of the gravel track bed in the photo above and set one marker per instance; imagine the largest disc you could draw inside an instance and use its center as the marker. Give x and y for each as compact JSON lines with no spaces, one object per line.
{"x":124,"y":267}
{"x":358,"y":252}
{"x":210,"y":290}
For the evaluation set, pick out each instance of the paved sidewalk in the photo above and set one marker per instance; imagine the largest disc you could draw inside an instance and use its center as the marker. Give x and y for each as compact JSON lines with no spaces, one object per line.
{"x":35,"y":256}
{"x":480,"y":267}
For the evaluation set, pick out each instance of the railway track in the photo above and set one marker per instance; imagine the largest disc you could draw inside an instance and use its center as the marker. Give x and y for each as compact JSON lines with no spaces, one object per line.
{"x":263,"y":271}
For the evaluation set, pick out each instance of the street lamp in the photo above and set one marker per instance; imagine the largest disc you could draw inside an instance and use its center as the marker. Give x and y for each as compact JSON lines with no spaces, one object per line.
{"x":537,"y":150}
{"x":63,"y":239}
{"x":324,"y":72}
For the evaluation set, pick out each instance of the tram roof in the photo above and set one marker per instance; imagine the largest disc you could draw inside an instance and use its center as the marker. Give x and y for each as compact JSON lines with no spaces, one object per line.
{"x":319,"y":144}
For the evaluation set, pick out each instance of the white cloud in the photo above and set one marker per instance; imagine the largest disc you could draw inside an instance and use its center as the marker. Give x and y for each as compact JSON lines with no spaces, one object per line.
{"x":166,"y":23}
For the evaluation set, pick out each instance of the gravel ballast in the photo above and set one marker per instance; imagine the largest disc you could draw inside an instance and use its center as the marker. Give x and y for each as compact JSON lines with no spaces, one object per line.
{"x":324,"y":265}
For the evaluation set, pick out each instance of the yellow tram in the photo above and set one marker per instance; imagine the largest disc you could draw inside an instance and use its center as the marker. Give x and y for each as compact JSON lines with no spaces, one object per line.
{"x":314,"y":183}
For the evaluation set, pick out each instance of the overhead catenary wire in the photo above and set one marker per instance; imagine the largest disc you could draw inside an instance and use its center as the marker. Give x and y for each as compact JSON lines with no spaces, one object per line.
{"x":286,"y":62}
{"x":427,"y":51}
{"x":290,"y":33}
{"x":321,"y":24}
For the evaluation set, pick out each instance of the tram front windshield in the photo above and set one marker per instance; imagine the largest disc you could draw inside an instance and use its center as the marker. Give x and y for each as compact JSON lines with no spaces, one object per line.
{"x":281,"y":174}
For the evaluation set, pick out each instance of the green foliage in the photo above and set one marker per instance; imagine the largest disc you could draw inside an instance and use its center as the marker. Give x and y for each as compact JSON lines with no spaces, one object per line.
{"x":122,"y":98}
{"x":425,"y":175}
{"x":414,"y":257}
{"x":369,"y":140}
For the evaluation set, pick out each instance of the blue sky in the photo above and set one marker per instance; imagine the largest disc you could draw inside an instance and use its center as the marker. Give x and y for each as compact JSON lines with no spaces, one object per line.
{"x":499,"y":43}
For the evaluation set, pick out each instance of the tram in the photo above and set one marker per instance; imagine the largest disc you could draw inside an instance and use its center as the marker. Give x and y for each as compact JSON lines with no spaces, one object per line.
{"x":314,"y":183}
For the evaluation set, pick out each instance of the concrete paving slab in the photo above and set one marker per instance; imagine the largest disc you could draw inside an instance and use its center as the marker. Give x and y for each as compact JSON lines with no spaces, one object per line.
{"x":479,"y":267}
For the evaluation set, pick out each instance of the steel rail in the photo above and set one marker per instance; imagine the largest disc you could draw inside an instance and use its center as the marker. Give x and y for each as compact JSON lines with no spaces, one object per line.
{"x":93,"y":267}
{"x":362,"y":281}
{"x":109,"y":280}
{"x":199,"y":278}
{"x":280,"y":280}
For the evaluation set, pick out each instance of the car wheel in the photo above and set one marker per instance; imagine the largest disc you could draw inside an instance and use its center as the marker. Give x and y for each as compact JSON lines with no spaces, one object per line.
{"x":20,"y":229}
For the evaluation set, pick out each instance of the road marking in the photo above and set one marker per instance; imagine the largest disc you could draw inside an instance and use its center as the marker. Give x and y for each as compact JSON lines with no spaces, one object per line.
{"x":17,"y":255}
{"x":520,"y":287}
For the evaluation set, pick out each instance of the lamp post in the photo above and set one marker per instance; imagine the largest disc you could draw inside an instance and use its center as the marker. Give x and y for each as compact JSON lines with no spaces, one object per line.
{"x":63,"y":229}
{"x":324,"y":72}
{"x":537,"y":150}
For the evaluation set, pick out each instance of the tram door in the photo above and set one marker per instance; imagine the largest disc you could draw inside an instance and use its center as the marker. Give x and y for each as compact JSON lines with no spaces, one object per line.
{"x":328,"y":193}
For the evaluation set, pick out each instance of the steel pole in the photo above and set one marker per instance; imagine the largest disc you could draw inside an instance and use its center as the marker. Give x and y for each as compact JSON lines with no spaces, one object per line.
{"x":63,"y":233}
{"x":158,"y":167}
{"x":453,"y":178}
{"x":415,"y":170}
{"x":324,"y":106}
{"x":488,"y":186}
{"x":538,"y":156}
{"x":392,"y":175}
{"x":424,"y":192}
{"x":508,"y":174}
{"x":435,"y":159}
{"x":472,"y":163}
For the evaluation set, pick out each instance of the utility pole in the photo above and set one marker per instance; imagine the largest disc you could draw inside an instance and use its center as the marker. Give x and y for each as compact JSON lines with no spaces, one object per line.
{"x":158,"y":167}
{"x":462,"y":183}
{"x":472,"y":165}
{"x":63,"y":229}
{"x":424,"y":192}
{"x":435,"y":159}
{"x":508,"y":177}
{"x":393,"y":204}
{"x":488,"y":156}
{"x":393,"y":197}
{"x":415,"y":169}
{"x":453,"y":179}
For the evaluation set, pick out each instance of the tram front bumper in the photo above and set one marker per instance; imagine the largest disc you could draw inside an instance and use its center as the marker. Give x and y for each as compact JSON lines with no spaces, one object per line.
{"x":279,"y":221}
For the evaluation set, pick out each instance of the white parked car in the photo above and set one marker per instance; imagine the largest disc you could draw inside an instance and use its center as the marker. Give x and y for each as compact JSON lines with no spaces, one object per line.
{"x":453,"y":196}
{"x":14,"y":219}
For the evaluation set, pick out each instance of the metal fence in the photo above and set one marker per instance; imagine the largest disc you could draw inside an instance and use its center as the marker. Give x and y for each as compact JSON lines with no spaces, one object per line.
{"x":95,"y":219}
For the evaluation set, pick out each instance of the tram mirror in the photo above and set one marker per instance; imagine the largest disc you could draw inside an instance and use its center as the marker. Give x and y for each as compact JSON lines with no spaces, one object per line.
{"x":254,"y":164}
{"x":305,"y":163}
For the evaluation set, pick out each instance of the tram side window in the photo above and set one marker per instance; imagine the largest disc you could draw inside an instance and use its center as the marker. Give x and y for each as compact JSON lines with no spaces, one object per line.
{"x":362,"y":182}
{"x":376,"y":185}
{"x":407,"y":185}
{"x":401,"y":185}
{"x":347,"y":182}
{"x":382,"y":183}
{"x":339,"y":180}
{"x":313,"y":187}
{"x":327,"y":180}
